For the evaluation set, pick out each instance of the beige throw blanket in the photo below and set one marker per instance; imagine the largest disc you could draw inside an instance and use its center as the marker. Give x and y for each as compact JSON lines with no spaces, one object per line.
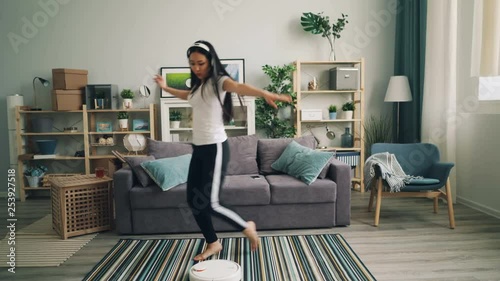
{"x":390,"y":170}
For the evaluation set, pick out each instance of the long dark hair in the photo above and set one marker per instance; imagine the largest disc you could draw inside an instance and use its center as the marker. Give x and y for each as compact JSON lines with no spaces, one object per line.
{"x":216,"y":71}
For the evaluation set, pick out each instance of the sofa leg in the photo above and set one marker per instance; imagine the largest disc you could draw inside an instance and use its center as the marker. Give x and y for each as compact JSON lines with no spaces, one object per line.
{"x":379,"y":201}
{"x":436,"y":201}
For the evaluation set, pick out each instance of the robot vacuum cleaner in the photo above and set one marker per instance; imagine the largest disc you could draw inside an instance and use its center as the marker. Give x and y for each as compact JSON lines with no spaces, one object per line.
{"x":215,"y":270}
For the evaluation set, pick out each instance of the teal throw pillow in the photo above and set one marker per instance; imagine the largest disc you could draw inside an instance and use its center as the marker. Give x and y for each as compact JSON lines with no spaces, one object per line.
{"x":302,"y":162}
{"x":168,"y":172}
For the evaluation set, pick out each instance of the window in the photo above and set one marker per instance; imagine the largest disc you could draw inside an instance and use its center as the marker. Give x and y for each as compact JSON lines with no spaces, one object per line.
{"x":489,"y":88}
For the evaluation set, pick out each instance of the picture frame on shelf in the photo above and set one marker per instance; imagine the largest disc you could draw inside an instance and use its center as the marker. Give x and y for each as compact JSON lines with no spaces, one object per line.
{"x":104,"y":127}
{"x":235,"y":68}
{"x":176,"y":77}
{"x":140,"y":125}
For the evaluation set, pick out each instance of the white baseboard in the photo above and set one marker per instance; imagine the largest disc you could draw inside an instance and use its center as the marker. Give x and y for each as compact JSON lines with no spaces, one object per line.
{"x":479,"y":207}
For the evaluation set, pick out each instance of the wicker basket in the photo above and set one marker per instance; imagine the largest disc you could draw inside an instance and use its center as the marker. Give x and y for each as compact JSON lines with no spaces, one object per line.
{"x":81,"y":204}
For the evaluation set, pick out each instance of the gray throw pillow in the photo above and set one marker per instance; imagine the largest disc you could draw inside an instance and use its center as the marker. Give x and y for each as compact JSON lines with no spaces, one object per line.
{"x":135,"y":164}
{"x":243,"y":154}
{"x":269,"y":150}
{"x":163,"y":149}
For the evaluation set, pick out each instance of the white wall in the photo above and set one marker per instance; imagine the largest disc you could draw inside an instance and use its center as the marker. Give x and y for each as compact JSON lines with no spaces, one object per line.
{"x":478,"y":130}
{"x":124,"y":42}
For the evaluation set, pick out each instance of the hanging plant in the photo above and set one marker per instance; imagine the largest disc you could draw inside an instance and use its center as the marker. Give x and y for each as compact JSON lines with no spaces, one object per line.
{"x":266,"y":117}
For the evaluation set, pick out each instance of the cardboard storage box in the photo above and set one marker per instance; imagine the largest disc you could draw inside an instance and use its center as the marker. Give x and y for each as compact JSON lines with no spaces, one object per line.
{"x":311,"y":115}
{"x":67,"y":99}
{"x":344,"y":78}
{"x":69,"y":79}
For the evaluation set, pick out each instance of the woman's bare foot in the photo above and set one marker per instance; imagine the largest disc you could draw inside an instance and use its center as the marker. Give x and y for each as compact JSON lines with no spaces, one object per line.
{"x":212,"y":248}
{"x":251,"y":233}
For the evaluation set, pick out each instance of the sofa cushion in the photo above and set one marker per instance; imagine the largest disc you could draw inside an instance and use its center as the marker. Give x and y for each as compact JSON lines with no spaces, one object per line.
{"x":243,"y":155}
{"x":152,"y":197}
{"x":269,"y":150}
{"x":135,"y":164}
{"x":286,"y":189}
{"x":168,"y":172}
{"x":163,"y":149}
{"x":240,"y":190}
{"x":244,"y":190}
{"x":302,"y":162}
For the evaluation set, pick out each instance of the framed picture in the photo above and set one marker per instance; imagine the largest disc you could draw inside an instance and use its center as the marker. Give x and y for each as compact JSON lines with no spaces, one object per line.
{"x":140,"y":125}
{"x":235,"y":68}
{"x":177,"y":77}
{"x":104,"y":127}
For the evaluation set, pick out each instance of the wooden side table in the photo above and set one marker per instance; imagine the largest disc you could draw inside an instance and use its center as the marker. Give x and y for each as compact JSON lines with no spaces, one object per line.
{"x":81,"y":204}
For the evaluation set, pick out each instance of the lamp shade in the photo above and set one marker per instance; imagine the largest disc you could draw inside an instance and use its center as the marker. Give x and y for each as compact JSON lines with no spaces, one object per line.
{"x":398,"y":90}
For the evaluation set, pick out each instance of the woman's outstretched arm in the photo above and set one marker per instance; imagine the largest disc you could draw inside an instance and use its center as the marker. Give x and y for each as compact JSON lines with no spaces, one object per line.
{"x":182,"y":94}
{"x":247,"y":90}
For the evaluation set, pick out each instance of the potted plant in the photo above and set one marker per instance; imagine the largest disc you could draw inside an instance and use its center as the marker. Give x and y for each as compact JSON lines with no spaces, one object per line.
{"x":348,"y":109}
{"x":123,"y":120}
{"x":127,"y":96}
{"x":99,"y":99}
{"x":320,"y":24}
{"x":34,"y":173}
{"x":332,"y":110}
{"x":175,"y":119}
{"x":277,"y":123}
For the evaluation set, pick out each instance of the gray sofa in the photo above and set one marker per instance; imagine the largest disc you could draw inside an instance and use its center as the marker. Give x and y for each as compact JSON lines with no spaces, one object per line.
{"x":274,"y":200}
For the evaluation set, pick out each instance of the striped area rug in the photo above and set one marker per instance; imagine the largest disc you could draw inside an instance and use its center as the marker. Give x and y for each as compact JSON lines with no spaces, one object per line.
{"x":287,"y":258}
{"x":38,"y":245}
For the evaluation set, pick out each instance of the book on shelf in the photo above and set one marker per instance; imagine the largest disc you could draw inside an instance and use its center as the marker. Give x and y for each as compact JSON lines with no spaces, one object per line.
{"x":44,"y":156}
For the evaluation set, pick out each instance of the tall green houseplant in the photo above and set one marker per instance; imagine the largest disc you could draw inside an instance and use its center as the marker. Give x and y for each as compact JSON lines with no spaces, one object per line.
{"x":266,"y":117}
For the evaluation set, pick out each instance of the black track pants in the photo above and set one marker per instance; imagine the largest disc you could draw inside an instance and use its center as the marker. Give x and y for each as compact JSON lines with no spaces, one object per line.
{"x":206,"y":177}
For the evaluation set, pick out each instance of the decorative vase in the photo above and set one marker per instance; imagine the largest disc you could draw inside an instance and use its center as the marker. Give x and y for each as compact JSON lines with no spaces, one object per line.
{"x":348,"y":114}
{"x":332,"y":48}
{"x":346,"y":139}
{"x":333,"y":115}
{"x":175,"y":124}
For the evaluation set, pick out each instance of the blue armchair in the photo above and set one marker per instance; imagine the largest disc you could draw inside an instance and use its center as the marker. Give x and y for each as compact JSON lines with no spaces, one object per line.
{"x":416,"y":159}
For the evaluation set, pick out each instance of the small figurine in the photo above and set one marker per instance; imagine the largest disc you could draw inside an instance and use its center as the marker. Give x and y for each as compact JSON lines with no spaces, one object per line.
{"x":312,"y":85}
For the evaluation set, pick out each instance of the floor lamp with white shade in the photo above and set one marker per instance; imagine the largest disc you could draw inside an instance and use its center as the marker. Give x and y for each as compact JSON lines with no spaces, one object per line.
{"x":398,"y":91}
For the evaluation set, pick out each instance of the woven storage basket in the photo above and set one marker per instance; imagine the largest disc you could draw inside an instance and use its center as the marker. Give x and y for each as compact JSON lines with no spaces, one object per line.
{"x":81,"y":204}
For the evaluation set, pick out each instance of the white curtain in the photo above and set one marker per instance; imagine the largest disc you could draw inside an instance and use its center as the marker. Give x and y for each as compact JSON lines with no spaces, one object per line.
{"x":440,"y":84}
{"x":486,"y":38}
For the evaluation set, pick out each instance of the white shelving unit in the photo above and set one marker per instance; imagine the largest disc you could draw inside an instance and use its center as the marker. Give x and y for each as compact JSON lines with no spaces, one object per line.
{"x":321,"y":98}
{"x":244,"y":119}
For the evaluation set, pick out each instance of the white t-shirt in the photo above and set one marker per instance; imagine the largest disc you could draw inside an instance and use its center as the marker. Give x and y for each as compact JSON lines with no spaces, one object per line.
{"x":208,"y":124}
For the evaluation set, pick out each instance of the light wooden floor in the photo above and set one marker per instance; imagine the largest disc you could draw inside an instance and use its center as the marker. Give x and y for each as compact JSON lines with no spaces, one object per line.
{"x":411,"y":242}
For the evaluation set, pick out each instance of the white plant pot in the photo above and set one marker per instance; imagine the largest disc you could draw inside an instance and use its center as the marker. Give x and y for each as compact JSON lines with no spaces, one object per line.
{"x":175,"y":124}
{"x":285,"y":113}
{"x":33,"y":181}
{"x":123,"y":124}
{"x":348,"y":114}
{"x":127,"y":103}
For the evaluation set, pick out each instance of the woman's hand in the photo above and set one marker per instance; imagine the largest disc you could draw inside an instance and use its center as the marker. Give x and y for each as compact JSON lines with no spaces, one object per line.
{"x":271,"y":98}
{"x":160,"y":81}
